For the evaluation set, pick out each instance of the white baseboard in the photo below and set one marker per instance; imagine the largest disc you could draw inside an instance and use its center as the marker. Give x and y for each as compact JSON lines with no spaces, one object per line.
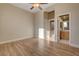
{"x":74,"y":45}
{"x":13,"y":40}
{"x":23,"y":38}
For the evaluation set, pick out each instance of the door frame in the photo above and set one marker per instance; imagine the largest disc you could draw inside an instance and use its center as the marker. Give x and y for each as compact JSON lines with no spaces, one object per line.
{"x":69,"y":24}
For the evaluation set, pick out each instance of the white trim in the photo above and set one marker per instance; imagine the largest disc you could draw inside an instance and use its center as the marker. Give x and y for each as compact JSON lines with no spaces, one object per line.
{"x":74,"y":45}
{"x":13,"y":40}
{"x":69,"y":22}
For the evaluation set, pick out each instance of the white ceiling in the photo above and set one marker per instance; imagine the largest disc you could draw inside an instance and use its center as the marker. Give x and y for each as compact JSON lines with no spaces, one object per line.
{"x":27,"y":6}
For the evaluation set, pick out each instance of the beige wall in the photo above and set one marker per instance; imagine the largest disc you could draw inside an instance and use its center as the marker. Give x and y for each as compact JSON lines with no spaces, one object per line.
{"x":15,"y":23}
{"x":39,"y":25}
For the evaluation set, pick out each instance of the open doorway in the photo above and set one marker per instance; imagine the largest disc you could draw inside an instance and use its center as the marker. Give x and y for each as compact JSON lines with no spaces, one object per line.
{"x":64,"y":28}
{"x":52,"y":29}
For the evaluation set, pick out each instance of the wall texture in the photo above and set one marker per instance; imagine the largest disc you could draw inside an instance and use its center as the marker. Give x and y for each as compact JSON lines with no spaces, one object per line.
{"x":15,"y":23}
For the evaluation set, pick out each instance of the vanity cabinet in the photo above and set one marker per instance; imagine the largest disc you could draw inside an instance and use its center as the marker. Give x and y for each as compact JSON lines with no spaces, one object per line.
{"x":64,"y":35}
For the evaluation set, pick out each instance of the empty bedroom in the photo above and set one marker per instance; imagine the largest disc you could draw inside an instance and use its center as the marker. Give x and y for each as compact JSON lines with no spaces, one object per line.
{"x":39,"y":29}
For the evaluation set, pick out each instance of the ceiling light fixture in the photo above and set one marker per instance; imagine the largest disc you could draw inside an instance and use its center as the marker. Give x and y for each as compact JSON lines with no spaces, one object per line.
{"x":37,"y":5}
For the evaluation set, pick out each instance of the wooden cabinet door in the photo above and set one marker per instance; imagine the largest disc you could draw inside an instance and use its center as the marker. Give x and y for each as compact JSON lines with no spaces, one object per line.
{"x":64,"y":35}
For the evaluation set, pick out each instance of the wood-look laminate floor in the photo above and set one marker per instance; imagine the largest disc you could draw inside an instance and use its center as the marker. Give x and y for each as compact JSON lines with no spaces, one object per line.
{"x":37,"y":47}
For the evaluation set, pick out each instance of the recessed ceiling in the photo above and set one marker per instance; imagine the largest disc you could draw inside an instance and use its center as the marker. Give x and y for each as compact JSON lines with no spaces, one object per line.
{"x":27,"y":6}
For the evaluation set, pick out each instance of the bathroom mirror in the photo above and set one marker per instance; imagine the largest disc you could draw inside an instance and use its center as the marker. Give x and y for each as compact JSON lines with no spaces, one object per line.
{"x":64,"y":24}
